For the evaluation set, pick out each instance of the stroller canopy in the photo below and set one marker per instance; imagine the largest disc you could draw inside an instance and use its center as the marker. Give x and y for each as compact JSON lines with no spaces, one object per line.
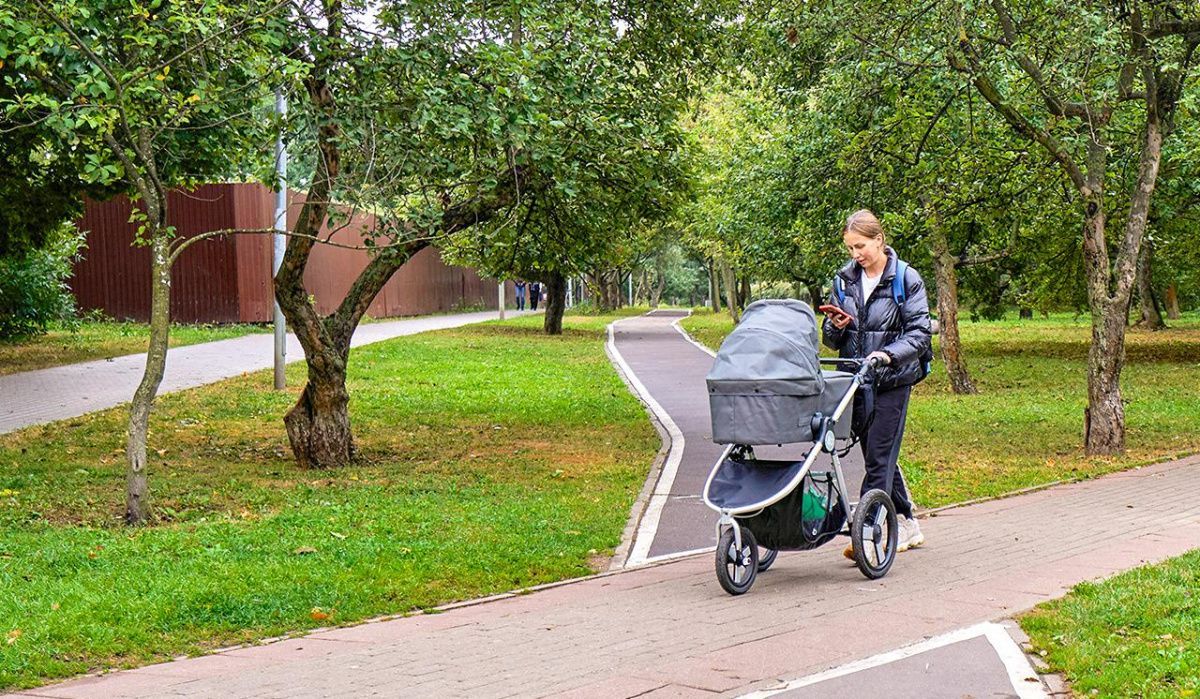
{"x":773,"y":349}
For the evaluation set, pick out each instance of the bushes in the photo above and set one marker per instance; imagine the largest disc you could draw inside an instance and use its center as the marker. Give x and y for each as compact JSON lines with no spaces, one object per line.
{"x":33,"y":285}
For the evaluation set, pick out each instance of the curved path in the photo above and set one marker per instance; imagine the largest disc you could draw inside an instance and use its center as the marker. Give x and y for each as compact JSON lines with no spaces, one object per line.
{"x":666,"y":369}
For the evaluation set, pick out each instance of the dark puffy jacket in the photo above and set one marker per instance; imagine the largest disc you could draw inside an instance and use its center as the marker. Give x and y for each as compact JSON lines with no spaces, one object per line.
{"x":880,"y":324}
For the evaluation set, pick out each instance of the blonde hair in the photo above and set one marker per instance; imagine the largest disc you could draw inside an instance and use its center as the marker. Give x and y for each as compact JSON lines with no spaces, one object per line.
{"x":864,"y":223}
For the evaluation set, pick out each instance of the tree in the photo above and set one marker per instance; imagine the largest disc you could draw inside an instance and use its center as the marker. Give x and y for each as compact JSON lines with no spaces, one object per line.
{"x":444,"y":117}
{"x":1096,"y":86}
{"x":149,"y":96}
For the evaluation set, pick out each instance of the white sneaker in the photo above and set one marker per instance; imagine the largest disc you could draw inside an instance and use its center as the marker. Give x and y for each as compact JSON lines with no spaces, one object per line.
{"x":910,"y":536}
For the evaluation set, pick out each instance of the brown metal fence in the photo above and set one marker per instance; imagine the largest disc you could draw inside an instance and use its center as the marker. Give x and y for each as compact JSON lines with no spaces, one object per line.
{"x":229,"y":279}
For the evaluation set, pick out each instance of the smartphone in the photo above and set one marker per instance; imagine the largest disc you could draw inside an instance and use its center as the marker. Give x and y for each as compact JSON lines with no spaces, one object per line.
{"x":829,"y":309}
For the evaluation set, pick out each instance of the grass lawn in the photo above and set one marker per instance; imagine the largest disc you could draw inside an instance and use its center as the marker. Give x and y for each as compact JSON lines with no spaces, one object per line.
{"x":1134,"y":635}
{"x":1025,"y":427}
{"x":103,"y":339}
{"x":492,"y":458}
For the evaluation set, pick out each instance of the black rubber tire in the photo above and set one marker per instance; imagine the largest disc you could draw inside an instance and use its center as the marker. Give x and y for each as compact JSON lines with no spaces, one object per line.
{"x":874,"y":548}
{"x":736,"y":570}
{"x":765,"y":558}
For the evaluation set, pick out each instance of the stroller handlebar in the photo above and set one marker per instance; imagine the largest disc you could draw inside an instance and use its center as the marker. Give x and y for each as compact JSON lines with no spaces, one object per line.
{"x":865,"y":366}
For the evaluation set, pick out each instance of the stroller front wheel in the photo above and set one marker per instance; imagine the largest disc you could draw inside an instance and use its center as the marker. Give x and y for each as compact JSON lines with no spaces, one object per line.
{"x":873,"y":534}
{"x":736,"y":568}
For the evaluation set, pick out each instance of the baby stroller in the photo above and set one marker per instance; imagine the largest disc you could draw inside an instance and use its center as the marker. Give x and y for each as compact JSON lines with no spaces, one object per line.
{"x":767,"y":387}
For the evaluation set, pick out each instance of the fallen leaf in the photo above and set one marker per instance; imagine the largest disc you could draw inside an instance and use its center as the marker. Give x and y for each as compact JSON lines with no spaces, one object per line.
{"x":13,"y":636}
{"x":337,"y":535}
{"x":304,"y":551}
{"x":318,"y":614}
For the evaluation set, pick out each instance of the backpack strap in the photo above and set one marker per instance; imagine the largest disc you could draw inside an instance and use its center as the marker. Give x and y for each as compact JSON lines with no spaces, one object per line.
{"x":839,"y":288}
{"x":899,"y":293}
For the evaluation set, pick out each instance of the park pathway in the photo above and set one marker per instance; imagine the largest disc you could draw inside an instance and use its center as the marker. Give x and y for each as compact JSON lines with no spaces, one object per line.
{"x":35,"y":397}
{"x":666,"y":369}
{"x":667,"y":630}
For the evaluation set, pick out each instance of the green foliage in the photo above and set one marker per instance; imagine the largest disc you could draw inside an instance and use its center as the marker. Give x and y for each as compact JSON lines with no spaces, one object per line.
{"x":138,"y":97}
{"x":33,"y":286}
{"x":596,"y":121}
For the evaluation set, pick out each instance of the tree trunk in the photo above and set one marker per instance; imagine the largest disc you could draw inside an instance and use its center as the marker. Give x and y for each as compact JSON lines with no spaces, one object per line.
{"x":318,"y":426}
{"x":815,"y":295}
{"x":730,"y":284}
{"x":656,"y":290}
{"x":137,"y":505}
{"x":744,"y":296}
{"x":1151,"y":316}
{"x":556,"y":303}
{"x":1104,"y":418}
{"x":1172,"y":302}
{"x":714,"y":287}
{"x":947,"y":306}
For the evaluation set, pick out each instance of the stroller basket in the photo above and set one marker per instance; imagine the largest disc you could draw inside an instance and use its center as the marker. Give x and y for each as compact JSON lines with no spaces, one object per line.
{"x":808,"y":516}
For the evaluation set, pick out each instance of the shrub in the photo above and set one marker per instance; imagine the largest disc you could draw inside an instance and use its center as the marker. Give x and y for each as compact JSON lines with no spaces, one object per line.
{"x":33,"y":285}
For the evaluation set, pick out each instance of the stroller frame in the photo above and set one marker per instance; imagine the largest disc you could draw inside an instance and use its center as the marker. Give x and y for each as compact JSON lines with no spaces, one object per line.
{"x":824,"y":441}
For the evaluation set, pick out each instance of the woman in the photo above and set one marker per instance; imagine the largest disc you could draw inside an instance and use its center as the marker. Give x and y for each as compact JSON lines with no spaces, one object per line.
{"x":893,"y":327}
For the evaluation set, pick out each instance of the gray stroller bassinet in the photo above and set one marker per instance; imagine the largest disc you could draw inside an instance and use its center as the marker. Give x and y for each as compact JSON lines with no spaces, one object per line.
{"x":767,"y":383}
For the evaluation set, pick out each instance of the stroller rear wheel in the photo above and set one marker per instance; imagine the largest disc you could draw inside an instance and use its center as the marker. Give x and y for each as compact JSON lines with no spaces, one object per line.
{"x":873,"y":534}
{"x":765,"y":558}
{"x":736,"y":568}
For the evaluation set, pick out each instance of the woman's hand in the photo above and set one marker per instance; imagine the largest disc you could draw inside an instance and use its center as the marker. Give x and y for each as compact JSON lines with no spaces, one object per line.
{"x":840,"y":321}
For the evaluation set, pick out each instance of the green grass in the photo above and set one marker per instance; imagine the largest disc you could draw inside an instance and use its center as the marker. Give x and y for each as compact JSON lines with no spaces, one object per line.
{"x":103,"y":339}
{"x":492,"y":458}
{"x":1134,"y":635}
{"x":1025,"y":426}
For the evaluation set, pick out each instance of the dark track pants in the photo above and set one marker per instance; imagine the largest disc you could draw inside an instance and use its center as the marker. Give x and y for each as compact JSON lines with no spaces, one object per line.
{"x":881,"y":448}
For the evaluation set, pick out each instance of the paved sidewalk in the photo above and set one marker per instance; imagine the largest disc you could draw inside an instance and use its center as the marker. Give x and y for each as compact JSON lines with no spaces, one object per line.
{"x":58,"y":393}
{"x":669,"y":630}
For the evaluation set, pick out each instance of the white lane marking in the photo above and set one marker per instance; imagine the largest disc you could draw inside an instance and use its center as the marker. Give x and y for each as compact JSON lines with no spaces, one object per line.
{"x":1014,"y":660}
{"x":648,"y":526}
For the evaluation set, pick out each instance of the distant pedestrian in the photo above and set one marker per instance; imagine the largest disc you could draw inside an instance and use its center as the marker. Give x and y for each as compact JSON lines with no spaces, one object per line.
{"x":535,"y":294}
{"x":520,"y":284}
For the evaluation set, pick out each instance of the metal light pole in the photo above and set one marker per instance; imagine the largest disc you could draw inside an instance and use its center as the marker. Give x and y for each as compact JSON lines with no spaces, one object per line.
{"x":631,"y":288}
{"x":501,"y":303}
{"x":570,"y":293}
{"x":278,"y":240}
